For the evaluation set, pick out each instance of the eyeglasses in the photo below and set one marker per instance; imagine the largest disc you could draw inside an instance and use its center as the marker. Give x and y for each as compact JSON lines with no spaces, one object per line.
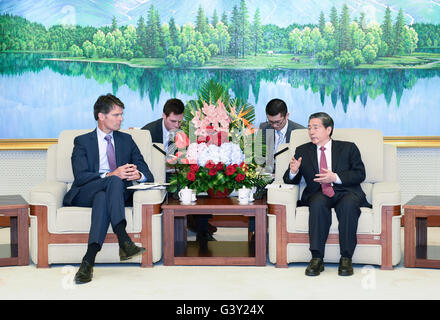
{"x":277,"y":123}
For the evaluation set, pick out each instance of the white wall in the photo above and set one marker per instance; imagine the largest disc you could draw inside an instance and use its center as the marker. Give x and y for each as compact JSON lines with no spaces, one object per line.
{"x":419,"y":171}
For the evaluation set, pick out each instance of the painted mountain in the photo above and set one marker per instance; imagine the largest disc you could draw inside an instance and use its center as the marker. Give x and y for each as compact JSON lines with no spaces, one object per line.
{"x":280,"y":12}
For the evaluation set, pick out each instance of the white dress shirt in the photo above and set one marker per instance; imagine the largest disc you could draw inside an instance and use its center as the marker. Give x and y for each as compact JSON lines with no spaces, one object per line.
{"x":165,"y":137}
{"x":284,"y":132}
{"x":104,"y":167}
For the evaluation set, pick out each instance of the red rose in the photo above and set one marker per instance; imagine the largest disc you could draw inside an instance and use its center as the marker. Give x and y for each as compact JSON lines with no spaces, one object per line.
{"x":210,"y":164}
{"x":239,"y":177}
{"x":194,"y":168}
{"x":201,"y":139}
{"x":212,"y":172}
{"x":244,"y":166}
{"x":219,"y":166}
{"x":191,"y":176}
{"x":230,"y":170}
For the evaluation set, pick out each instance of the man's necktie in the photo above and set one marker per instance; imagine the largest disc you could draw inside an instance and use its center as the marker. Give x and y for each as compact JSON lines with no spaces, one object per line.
{"x":280,"y":140}
{"x":327,"y":188}
{"x":110,"y":153}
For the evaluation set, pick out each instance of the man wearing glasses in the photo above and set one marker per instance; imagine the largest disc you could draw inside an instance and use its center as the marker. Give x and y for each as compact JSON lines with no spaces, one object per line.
{"x":278,"y":121}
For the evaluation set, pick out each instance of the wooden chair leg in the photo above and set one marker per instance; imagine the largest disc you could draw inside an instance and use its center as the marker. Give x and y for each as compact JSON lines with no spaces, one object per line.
{"x":281,"y":239}
{"x":43,"y":234}
{"x":388,"y":212}
{"x":147,"y":233}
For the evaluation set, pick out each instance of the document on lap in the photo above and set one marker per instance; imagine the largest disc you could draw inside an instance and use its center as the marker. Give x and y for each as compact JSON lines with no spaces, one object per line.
{"x":279,"y":186}
{"x":149,"y":185}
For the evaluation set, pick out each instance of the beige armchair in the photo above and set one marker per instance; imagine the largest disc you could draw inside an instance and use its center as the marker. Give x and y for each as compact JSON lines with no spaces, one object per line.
{"x":60,"y":234}
{"x":378,"y":229}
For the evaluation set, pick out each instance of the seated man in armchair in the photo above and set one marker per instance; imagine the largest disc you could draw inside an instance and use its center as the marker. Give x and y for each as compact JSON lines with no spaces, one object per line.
{"x":333,"y":171}
{"x":104,"y":162}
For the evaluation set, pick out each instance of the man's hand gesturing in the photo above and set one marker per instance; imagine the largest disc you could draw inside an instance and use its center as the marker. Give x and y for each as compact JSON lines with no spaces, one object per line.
{"x":295,"y":164}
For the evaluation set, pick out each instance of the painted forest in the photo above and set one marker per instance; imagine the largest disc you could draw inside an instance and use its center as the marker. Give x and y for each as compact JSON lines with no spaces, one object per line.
{"x":336,"y":40}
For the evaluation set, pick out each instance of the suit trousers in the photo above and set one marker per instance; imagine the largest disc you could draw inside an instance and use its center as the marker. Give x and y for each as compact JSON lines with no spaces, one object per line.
{"x":108,"y":198}
{"x":347,"y":207}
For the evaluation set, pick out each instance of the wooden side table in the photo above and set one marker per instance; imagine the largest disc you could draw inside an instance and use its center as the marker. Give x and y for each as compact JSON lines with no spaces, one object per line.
{"x":417,"y":211}
{"x":16,"y":208}
{"x":178,"y":252}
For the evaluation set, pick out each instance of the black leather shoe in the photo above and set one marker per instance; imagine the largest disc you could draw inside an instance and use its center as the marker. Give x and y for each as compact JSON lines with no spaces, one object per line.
{"x":129,"y":250}
{"x":85,"y":273}
{"x":345,"y":267}
{"x":315,"y":267}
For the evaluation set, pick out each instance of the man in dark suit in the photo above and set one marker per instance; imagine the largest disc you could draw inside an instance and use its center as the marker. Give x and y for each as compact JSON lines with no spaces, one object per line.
{"x":278,"y":120}
{"x":162,"y":129}
{"x":277,"y":128}
{"x":333,"y":171}
{"x":105,"y":162}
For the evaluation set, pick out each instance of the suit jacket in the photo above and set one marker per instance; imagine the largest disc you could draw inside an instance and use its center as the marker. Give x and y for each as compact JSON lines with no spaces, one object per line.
{"x":85,"y":160}
{"x":346,"y":162}
{"x":290,"y":127}
{"x":155,"y":129}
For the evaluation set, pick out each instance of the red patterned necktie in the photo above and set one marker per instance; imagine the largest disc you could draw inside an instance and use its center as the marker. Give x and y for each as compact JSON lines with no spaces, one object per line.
{"x":327,"y":188}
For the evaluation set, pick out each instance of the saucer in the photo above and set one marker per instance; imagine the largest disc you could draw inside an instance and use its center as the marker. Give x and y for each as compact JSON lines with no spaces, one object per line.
{"x":187,"y":203}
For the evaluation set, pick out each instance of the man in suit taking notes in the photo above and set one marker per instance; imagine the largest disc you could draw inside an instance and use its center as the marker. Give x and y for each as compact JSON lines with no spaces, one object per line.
{"x":163,"y":129}
{"x":278,"y":121}
{"x":105,"y":162}
{"x":333,"y":171}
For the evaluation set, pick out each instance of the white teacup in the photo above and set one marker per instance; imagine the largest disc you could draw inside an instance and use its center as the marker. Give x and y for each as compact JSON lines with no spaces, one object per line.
{"x":243,"y":195}
{"x":186,"y":195}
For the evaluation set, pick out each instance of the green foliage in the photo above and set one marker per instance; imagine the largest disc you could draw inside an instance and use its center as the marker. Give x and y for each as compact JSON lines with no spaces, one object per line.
{"x":235,"y":36}
{"x":345,"y":60}
{"x":346,"y":44}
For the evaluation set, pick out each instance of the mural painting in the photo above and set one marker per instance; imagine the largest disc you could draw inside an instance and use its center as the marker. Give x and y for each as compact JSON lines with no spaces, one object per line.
{"x":369,"y":64}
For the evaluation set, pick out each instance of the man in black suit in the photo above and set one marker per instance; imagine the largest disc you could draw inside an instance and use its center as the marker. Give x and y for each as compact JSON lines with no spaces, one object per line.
{"x":279,"y":124}
{"x":278,"y":120}
{"x":333,"y":171}
{"x":162,"y":129}
{"x":105,"y":162}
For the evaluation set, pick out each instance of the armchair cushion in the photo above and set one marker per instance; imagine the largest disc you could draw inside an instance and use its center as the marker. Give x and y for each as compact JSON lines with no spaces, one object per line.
{"x":366,"y":222}
{"x":78,"y":219}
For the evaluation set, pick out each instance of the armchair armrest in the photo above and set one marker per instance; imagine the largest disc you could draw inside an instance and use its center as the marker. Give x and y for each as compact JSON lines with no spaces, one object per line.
{"x":283,"y":195}
{"x":49,"y":194}
{"x":149,"y":196}
{"x":384,"y":194}
{"x":146,"y":197}
{"x":280,"y":193}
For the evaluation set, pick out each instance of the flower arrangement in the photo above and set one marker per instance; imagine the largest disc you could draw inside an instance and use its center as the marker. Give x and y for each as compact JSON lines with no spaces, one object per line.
{"x":211,"y":145}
